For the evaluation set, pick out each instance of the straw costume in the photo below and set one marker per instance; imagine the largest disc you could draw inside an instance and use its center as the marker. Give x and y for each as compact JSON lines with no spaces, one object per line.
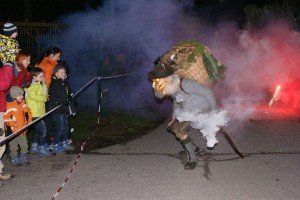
{"x":186,"y":72}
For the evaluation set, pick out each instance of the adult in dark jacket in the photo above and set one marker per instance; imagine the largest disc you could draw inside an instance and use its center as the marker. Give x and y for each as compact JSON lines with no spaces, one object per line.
{"x":60,"y":94}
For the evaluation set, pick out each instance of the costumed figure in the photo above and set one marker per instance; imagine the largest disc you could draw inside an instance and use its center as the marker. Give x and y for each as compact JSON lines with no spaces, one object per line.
{"x":193,"y":101}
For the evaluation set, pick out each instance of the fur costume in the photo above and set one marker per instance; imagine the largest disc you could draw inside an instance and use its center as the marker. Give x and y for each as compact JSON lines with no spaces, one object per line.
{"x":195,"y":103}
{"x":186,"y":73}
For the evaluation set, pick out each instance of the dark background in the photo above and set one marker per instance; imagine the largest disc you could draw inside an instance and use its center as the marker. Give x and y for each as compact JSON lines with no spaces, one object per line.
{"x":52,"y":10}
{"x":42,"y":10}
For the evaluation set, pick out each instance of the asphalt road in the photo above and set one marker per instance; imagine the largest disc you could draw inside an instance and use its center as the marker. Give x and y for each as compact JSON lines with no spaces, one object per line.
{"x":149,"y":168}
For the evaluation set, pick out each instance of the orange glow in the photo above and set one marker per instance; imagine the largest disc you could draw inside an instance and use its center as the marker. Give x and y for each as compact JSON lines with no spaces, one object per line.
{"x":159,"y":85}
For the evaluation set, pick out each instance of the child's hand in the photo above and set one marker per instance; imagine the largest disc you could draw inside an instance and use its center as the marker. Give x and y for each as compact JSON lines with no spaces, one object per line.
{"x":16,"y":125}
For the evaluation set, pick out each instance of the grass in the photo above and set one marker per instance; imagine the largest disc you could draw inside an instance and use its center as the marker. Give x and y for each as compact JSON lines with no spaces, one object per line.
{"x":115,"y":128}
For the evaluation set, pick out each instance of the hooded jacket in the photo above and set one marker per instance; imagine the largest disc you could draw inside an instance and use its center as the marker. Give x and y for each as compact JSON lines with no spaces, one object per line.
{"x":59,"y":93}
{"x":17,"y":113}
{"x":36,"y":96}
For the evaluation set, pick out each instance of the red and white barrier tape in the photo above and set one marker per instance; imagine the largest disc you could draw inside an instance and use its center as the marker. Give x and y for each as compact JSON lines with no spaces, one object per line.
{"x":98,"y":127}
{"x":73,"y":167}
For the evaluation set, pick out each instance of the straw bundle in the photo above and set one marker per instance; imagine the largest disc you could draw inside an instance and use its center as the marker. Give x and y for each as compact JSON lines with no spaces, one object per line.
{"x":193,"y":60}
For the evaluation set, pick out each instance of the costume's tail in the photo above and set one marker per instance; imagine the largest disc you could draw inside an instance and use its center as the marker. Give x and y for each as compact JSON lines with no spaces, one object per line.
{"x":231,"y":143}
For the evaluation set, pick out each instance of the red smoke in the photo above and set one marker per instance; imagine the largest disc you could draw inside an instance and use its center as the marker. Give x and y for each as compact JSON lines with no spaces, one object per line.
{"x":258,"y":61}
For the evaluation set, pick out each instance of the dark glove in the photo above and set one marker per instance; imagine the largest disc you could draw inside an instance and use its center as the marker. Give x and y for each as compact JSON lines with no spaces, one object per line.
{"x":66,"y":103}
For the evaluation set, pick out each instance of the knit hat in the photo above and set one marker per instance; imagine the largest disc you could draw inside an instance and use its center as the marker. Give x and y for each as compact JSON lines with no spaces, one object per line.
{"x":9,"y":29}
{"x":160,"y":71}
{"x":16,"y":91}
{"x":58,"y":67}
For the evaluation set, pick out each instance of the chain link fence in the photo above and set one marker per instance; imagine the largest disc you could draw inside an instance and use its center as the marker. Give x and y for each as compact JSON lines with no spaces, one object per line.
{"x":37,"y":37}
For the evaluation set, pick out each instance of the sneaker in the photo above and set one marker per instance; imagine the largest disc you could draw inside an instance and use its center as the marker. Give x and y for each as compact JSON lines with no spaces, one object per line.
{"x":57,"y":148}
{"x":43,"y":151}
{"x":66,"y":146}
{"x":50,"y":147}
{"x":5,"y":176}
{"x":15,"y":161}
{"x":34,"y":148}
{"x":24,"y":160}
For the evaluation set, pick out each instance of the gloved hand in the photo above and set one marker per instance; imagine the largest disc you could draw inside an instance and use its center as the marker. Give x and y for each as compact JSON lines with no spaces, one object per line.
{"x":67,"y":102}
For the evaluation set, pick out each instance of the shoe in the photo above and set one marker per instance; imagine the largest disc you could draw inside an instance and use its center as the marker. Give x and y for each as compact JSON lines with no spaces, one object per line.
{"x":43,"y":151}
{"x":1,"y":131}
{"x":66,"y":146}
{"x":183,"y":153}
{"x":15,"y":161}
{"x":212,"y":148}
{"x":57,"y":148}
{"x":34,"y":148}
{"x":50,"y":147}
{"x":6,"y":176}
{"x":190,"y":165}
{"x":211,"y":142}
{"x":24,"y":160}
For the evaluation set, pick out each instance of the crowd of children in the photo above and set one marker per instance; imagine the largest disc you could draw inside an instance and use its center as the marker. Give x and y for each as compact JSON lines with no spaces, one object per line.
{"x":26,"y":95}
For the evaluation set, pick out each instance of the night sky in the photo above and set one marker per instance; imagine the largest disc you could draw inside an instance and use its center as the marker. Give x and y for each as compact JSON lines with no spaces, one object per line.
{"x":51,"y":11}
{"x":42,"y":10}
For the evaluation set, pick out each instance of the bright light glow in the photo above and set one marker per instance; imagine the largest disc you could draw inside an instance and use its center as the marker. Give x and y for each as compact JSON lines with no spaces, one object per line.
{"x":275,"y":96}
{"x":159,"y":85}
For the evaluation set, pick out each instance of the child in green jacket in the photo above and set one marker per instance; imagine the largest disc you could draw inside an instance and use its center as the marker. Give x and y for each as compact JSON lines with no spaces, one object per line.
{"x":36,"y":96}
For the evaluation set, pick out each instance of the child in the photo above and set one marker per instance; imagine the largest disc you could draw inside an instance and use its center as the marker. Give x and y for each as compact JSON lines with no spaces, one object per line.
{"x":17,"y":115}
{"x":60,"y":93}
{"x":36,"y":96}
{"x":48,"y":60}
{"x":9,"y":46}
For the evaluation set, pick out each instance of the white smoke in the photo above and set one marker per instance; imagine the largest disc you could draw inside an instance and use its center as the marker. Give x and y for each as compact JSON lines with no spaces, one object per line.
{"x":207,"y":123}
{"x":256,"y":61}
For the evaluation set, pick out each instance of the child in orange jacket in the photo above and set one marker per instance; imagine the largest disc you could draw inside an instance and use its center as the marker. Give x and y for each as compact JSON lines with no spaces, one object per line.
{"x":16,"y":117}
